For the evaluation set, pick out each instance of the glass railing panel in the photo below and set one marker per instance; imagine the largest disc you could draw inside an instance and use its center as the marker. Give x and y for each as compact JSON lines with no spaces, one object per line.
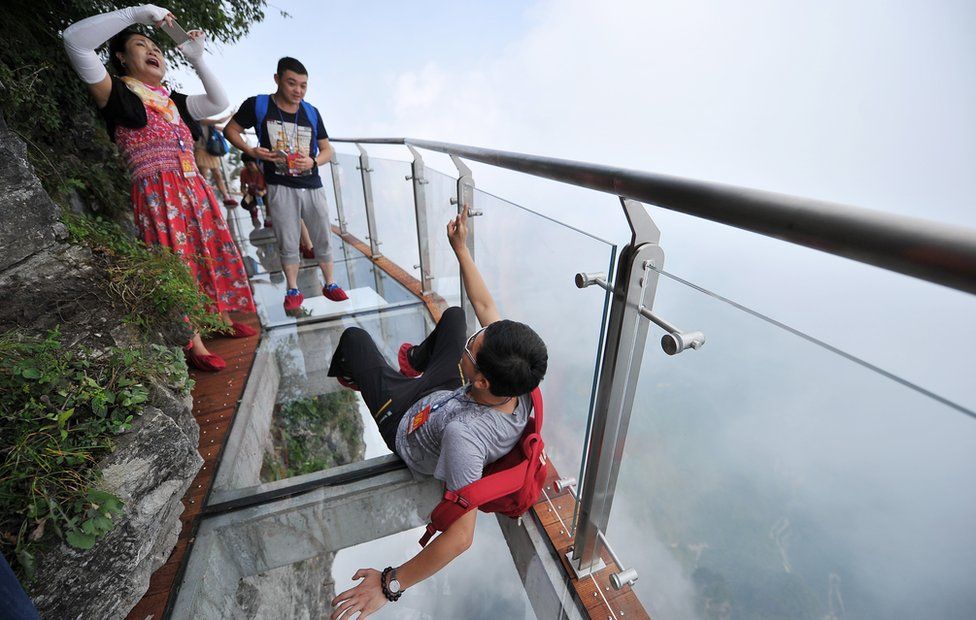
{"x":369,"y":288}
{"x":529,"y":263}
{"x":441,"y":188}
{"x":295,"y":420}
{"x":353,"y":204}
{"x":767,"y":476}
{"x":396,"y":220}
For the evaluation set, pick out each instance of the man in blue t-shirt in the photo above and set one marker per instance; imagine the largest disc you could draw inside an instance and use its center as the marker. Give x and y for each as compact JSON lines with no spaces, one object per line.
{"x":292,"y":144}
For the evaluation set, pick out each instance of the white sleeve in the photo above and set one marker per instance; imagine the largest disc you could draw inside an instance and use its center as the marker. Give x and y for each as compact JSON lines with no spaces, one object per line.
{"x":215,"y":100}
{"x":81,"y":38}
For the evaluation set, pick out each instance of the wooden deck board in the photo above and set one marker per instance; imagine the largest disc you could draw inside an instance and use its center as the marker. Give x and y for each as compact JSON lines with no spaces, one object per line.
{"x":225,"y":388}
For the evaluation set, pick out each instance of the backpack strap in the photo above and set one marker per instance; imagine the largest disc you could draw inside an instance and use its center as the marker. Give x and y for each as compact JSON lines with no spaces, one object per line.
{"x":313,"y":119}
{"x":455,"y":504}
{"x":260,"y":112}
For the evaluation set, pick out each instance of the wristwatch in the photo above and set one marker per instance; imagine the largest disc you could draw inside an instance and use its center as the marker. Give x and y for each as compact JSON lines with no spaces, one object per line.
{"x":391,"y":588}
{"x":394,"y":585}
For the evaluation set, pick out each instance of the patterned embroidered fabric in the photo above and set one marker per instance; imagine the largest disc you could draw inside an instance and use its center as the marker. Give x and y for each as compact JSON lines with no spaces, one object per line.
{"x":182,"y":213}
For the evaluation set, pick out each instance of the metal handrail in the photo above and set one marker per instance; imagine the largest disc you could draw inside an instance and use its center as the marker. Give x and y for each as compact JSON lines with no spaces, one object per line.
{"x":920,"y":248}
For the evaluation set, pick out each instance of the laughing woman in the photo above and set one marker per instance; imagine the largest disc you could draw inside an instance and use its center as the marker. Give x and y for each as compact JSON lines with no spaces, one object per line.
{"x":154,"y":130}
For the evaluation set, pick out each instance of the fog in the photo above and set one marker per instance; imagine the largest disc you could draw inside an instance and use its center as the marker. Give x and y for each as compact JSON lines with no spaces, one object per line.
{"x":760,"y":465}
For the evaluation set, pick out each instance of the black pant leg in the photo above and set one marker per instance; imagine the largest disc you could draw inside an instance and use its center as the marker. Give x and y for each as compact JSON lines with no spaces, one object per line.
{"x":445,"y":341}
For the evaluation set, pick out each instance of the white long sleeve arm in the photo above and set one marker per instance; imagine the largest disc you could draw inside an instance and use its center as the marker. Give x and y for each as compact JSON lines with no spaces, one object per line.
{"x":215,"y":99}
{"x":82,"y":38}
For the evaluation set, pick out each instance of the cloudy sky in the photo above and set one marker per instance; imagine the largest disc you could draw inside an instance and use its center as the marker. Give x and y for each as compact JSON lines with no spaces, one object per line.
{"x":868,"y":103}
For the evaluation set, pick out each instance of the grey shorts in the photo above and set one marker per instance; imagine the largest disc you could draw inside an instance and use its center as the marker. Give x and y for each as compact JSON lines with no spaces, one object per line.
{"x":288,"y":207}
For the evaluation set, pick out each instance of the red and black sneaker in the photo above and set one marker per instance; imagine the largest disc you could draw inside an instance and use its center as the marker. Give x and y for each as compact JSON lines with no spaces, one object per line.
{"x":348,"y":383}
{"x":406,"y":368}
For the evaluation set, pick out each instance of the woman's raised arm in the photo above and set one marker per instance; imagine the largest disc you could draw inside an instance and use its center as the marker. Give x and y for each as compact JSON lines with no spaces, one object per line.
{"x":82,"y":38}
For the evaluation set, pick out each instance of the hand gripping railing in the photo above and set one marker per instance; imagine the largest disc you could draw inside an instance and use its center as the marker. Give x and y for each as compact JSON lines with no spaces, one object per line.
{"x":928,"y":250}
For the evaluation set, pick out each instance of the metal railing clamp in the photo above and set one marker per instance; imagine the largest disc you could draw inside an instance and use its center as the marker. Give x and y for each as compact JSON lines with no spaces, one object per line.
{"x":675,"y":340}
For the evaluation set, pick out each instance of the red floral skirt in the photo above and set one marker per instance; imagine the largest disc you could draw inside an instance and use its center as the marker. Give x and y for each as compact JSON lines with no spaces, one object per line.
{"x":182,"y":214}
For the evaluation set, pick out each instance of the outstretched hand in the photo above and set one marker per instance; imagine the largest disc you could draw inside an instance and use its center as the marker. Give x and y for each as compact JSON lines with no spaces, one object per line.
{"x":364,"y":599}
{"x":457,"y":230}
{"x":149,"y":14}
{"x":193,"y":49}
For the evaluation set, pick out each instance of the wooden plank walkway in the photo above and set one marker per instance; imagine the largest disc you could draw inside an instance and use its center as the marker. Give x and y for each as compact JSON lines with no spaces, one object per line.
{"x":554,"y":512}
{"x":215,"y":399}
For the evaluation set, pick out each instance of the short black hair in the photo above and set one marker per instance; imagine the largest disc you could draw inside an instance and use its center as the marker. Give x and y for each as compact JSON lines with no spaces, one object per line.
{"x":291,"y":64}
{"x":117,"y":45}
{"x":512,"y":357}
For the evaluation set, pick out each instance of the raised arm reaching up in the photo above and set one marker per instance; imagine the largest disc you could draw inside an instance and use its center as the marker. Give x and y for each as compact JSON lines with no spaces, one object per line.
{"x":474,"y":284}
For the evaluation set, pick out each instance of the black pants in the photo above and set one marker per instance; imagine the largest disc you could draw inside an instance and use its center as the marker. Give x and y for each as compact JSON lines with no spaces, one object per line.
{"x":387,"y":393}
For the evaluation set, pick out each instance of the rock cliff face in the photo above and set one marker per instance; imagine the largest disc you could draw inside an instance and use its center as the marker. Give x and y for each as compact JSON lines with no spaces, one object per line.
{"x":44,"y":283}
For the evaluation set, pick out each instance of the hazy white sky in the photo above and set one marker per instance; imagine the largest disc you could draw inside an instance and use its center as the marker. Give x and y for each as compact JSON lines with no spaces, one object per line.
{"x":867,"y":103}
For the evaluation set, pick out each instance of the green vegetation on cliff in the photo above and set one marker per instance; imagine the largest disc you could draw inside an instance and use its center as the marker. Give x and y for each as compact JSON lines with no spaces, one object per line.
{"x":315,"y":433}
{"x":60,"y":406}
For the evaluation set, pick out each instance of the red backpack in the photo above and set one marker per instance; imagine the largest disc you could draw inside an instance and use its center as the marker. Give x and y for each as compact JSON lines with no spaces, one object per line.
{"x":510,"y":485}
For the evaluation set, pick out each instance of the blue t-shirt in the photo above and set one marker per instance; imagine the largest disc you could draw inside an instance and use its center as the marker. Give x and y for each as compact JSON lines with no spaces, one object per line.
{"x":284,"y":131}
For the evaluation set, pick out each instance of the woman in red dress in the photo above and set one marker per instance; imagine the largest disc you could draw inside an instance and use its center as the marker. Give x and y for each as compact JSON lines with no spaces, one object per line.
{"x":154,"y":130}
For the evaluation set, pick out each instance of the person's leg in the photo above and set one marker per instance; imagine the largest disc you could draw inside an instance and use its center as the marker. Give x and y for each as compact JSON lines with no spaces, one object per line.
{"x":285,"y":210}
{"x":444,"y":345}
{"x":438,"y":356}
{"x":305,"y":244}
{"x":387,"y":393}
{"x":315,"y":214}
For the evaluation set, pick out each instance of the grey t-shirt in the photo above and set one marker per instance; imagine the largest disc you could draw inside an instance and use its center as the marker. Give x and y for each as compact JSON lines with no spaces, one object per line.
{"x":459,"y":437}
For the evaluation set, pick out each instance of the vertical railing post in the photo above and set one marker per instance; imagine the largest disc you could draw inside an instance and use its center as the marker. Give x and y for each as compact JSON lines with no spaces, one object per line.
{"x":374,"y":242}
{"x":465,"y":196}
{"x":337,"y":188}
{"x":634,"y":288}
{"x":420,"y":209}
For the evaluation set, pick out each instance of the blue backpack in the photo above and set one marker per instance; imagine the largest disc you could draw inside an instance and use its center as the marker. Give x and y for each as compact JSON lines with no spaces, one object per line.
{"x":261,"y":111}
{"x":216,"y":143}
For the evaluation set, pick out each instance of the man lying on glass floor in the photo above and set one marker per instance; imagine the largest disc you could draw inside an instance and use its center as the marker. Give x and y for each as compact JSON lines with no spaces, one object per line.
{"x":457,"y":404}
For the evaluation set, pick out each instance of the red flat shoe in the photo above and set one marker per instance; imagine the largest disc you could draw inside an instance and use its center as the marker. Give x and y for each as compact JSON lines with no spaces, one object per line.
{"x":406,"y":368}
{"x":307,"y":252}
{"x":334,"y":292}
{"x":206,"y":363}
{"x":240,"y":330}
{"x":230,"y":202}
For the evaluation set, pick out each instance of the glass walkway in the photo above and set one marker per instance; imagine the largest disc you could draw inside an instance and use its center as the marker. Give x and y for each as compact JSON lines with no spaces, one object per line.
{"x":741,"y":470}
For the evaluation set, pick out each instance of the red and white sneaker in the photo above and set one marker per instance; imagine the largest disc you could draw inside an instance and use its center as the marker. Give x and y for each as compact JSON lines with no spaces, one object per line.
{"x":334,"y":292}
{"x":293,"y":299}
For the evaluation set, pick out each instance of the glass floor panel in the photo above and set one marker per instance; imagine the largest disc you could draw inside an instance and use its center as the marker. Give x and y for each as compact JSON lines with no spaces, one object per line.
{"x":369,"y":288}
{"x":294,"y":420}
{"x":259,"y":250}
{"x":288,"y":558}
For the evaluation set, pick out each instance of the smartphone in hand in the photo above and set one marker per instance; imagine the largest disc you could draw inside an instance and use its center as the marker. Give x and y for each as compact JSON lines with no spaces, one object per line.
{"x":175,"y":32}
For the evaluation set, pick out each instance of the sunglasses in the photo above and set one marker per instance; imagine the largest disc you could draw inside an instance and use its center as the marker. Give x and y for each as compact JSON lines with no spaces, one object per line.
{"x":467,"y":347}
